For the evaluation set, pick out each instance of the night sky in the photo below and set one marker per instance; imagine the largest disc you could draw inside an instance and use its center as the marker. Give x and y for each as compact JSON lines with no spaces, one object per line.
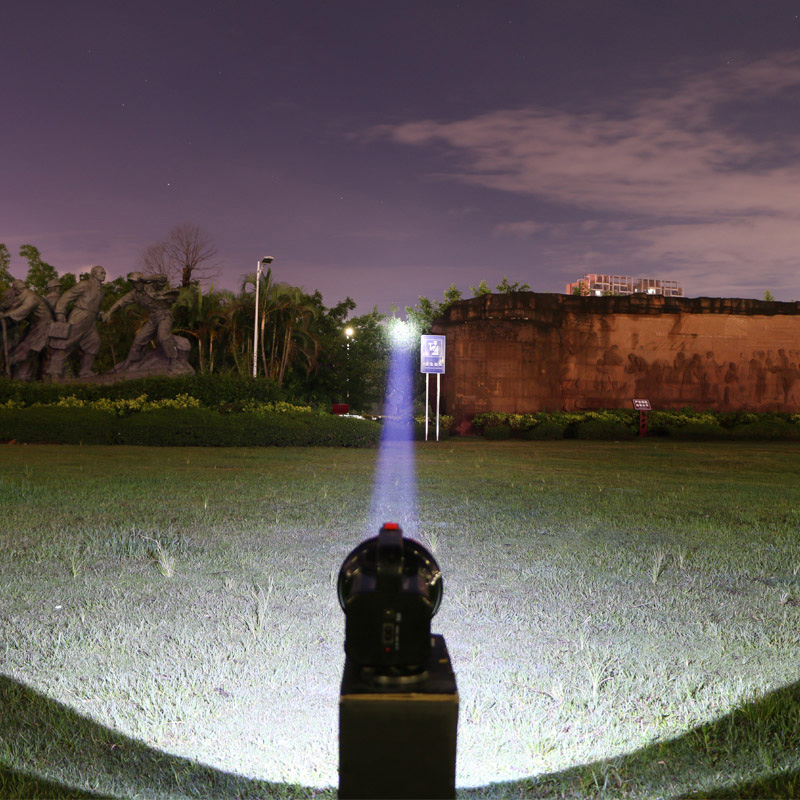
{"x":384,"y":150}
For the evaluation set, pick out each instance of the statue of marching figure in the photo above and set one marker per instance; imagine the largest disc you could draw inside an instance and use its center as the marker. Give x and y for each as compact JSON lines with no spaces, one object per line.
{"x":156,"y":296}
{"x":76,"y":329}
{"x":22,"y":359}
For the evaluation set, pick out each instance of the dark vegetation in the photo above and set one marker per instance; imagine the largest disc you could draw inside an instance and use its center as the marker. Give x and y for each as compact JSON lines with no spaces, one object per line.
{"x":210,"y":390}
{"x":621,"y":424}
{"x":200,"y":427}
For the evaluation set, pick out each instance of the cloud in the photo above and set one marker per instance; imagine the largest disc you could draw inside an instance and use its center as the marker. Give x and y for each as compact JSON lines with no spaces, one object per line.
{"x":523,"y":229}
{"x":692,"y":181}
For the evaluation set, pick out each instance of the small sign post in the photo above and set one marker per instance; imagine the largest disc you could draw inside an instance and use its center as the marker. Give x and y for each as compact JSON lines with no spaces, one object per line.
{"x":642,"y":406}
{"x":431,"y":356}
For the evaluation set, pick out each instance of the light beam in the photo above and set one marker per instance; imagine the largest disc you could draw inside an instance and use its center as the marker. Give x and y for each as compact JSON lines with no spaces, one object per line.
{"x":394,"y":489}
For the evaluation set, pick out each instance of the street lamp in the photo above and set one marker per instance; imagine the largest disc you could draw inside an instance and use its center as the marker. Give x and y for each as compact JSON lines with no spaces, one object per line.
{"x":266,"y":261}
{"x":348,"y":332}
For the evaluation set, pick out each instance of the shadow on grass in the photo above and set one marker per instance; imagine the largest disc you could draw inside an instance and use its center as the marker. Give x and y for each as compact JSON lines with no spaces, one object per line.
{"x":752,"y":752}
{"x":16,"y":783}
{"x":47,"y":743}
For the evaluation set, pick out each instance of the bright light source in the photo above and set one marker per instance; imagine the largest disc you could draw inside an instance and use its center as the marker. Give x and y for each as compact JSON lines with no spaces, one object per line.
{"x":402,"y":333}
{"x":348,"y":332}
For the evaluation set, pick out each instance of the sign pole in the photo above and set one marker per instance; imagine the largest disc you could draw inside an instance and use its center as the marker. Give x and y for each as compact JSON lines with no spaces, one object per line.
{"x":432,"y":351}
{"x":438,"y":392}
{"x":642,"y":405}
{"x":427,"y":380}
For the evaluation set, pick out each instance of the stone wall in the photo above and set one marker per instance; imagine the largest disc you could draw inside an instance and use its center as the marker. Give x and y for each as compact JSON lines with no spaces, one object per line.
{"x":527,"y":352}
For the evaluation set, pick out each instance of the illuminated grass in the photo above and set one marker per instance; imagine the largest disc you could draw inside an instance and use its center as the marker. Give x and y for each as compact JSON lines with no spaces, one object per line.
{"x":623,"y":618}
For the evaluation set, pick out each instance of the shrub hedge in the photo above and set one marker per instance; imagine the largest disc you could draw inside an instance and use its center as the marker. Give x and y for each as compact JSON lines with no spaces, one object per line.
{"x":184,"y":427}
{"x":774,"y":429}
{"x":624,"y":424}
{"x":697,"y":431}
{"x":546,"y":429}
{"x":498,"y":432}
{"x":237,"y":410}
{"x":609,"y":430}
{"x":208,"y":390}
{"x":445,"y":427}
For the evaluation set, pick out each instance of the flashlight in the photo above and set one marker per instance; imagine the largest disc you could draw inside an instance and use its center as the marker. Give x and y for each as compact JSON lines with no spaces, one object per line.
{"x":389,"y":589}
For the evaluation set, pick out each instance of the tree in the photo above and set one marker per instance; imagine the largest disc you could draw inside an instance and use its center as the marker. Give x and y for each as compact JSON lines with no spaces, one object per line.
{"x":330,"y":379}
{"x":39,"y":272}
{"x":5,"y":276}
{"x":239,"y":314}
{"x":581,"y":289}
{"x":291,"y":316}
{"x":368,"y":360}
{"x":118,"y":333}
{"x":187,"y":256}
{"x":348,"y":370}
{"x":203,"y":317}
{"x":190,"y":254}
{"x":451,"y":295}
{"x":768,"y":296}
{"x":68,"y":280}
{"x":504,"y":287}
{"x":427,"y":311}
{"x":153,"y":259}
{"x":287,"y":330}
{"x":481,"y":289}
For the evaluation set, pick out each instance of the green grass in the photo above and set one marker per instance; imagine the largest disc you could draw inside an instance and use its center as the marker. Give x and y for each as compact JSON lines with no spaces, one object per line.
{"x":623,"y":618}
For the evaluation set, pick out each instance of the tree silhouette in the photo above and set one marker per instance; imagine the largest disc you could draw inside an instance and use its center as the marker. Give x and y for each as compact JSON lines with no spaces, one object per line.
{"x":187,"y":256}
{"x":39,"y":272}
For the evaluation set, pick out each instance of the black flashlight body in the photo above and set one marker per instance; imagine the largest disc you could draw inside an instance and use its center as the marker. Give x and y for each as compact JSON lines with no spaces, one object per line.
{"x":389,"y":588}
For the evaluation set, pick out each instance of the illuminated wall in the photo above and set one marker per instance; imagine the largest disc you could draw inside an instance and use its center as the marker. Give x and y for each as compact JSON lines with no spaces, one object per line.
{"x":528,"y":352}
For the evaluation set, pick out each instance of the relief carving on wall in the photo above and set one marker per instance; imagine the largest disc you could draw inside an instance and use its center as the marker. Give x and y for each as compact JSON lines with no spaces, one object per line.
{"x":545,"y":352}
{"x":758,"y":380}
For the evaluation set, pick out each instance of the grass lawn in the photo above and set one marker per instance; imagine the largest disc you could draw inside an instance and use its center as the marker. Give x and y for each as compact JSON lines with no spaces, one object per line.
{"x":623,"y":618}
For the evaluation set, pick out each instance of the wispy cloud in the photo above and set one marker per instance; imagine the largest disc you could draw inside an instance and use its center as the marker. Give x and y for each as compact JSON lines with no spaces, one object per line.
{"x":698,"y":184}
{"x":525,"y":228}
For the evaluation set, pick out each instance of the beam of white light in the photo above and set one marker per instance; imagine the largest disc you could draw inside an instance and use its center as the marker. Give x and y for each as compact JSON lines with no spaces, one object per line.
{"x":394,"y":491}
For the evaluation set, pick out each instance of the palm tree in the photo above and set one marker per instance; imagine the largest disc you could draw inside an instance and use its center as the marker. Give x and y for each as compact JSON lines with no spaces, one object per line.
{"x":239,"y":329}
{"x":297,"y":337}
{"x":203,"y":317}
{"x":285,"y":323}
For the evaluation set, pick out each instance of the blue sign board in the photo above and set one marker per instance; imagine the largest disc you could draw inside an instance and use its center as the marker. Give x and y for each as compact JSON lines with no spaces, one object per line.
{"x":432,"y":354}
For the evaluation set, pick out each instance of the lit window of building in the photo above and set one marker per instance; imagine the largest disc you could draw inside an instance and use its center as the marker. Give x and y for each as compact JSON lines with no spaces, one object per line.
{"x":597,"y":284}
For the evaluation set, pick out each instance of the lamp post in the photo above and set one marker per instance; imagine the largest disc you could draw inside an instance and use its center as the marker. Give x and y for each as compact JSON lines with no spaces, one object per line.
{"x":348,"y":332}
{"x":266,"y":261}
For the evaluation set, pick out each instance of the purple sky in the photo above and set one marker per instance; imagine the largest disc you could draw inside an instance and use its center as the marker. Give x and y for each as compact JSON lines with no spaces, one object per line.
{"x":385,"y":149}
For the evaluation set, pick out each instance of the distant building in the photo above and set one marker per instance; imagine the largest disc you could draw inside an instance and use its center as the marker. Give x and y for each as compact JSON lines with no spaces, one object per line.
{"x":623,"y":284}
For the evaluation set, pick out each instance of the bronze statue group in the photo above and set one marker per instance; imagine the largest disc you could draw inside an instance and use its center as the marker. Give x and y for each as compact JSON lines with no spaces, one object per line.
{"x":52,"y":328}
